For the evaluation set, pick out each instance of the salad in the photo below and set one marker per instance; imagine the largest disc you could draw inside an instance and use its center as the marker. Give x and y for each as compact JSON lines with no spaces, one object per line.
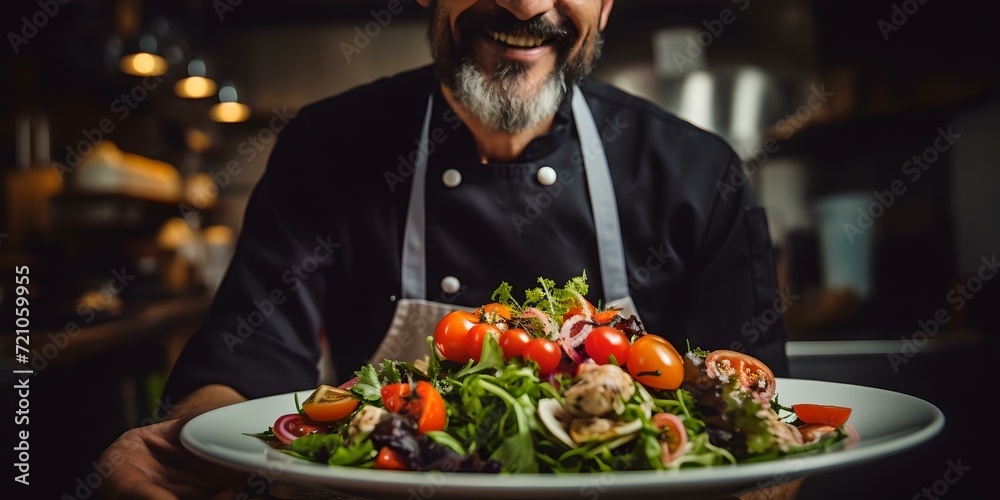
{"x":553,"y":384}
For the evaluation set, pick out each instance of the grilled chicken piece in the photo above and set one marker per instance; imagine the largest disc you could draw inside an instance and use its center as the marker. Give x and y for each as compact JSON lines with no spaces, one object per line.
{"x":599,"y":390}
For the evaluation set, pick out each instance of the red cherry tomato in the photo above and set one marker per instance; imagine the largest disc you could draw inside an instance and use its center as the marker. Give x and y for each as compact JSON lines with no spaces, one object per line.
{"x":822,"y":414}
{"x":388,"y":459}
{"x":753,"y":374}
{"x":449,"y":336}
{"x":477,"y":335}
{"x":604,"y":342}
{"x":655,"y":363}
{"x":427,"y":406}
{"x":513,"y":342}
{"x":288,"y":428}
{"x":544,"y":352}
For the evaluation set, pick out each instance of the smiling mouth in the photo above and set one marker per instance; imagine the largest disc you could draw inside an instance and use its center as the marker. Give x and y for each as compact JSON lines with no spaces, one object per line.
{"x":516,"y":41}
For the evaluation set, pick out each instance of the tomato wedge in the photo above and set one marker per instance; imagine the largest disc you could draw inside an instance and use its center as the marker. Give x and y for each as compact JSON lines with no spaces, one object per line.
{"x":753,"y":374}
{"x":328,"y":404}
{"x":822,"y":414}
{"x":389,"y":460}
{"x":427,"y":406}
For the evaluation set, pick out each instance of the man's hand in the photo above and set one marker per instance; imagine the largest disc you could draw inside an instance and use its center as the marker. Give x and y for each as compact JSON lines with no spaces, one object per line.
{"x":150,"y":462}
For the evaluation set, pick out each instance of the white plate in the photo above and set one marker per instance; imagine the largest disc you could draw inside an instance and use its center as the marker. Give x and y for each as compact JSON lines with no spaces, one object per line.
{"x":887,"y":422}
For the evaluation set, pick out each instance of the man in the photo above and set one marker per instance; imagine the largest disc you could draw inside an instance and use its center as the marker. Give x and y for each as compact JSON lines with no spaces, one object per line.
{"x":407,"y":197}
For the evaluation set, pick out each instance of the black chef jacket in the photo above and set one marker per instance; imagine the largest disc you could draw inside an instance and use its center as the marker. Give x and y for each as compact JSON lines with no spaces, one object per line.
{"x":322,"y":239}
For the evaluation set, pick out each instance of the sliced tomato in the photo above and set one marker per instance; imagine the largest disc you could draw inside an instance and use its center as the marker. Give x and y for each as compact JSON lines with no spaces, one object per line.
{"x":822,"y":414}
{"x":655,"y":363}
{"x":328,"y":404}
{"x":477,"y":335}
{"x":544,"y":352}
{"x":605,"y":317}
{"x":433,"y":414}
{"x":513,"y":342}
{"x":496,"y":309}
{"x":605,"y":342}
{"x":673,"y":435}
{"x":288,"y":428}
{"x":388,"y":459}
{"x":753,"y":374}
{"x":394,"y":396}
{"x":426,"y":406}
{"x":449,"y":336}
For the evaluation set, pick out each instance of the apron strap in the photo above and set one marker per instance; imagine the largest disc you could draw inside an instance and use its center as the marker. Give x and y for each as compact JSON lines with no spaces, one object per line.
{"x":610,"y":248}
{"x":414,"y":269}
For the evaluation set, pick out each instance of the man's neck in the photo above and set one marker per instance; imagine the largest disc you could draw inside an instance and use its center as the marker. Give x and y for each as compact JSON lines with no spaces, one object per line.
{"x":491,"y":144}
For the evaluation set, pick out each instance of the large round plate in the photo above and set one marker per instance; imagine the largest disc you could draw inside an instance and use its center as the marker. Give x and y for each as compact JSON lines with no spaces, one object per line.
{"x":887,"y":423}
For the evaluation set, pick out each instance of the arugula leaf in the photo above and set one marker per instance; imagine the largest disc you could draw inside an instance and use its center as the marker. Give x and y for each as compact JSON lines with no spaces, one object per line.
{"x":490,"y":359}
{"x":389,"y":372}
{"x":330,"y":448}
{"x":368,"y":386}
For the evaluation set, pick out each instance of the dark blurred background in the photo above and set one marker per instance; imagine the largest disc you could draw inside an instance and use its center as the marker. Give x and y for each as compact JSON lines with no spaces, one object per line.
{"x":869,"y":129}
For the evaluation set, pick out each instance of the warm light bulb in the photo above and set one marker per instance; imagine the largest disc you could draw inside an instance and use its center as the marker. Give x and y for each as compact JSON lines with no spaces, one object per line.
{"x":195,"y":87}
{"x":230,"y":112}
{"x":143,"y":64}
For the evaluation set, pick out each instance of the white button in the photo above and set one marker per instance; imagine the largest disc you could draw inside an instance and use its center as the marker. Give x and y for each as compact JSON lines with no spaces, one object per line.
{"x":452,"y":178}
{"x":547,"y":176}
{"x":450,"y":284}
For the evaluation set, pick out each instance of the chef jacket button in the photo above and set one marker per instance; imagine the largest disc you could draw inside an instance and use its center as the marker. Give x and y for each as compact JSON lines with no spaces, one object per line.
{"x":450,"y":284}
{"x":547,"y":176}
{"x":452,"y":178}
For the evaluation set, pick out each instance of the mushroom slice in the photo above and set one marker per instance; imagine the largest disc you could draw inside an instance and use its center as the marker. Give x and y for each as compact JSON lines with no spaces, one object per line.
{"x":583,"y":430}
{"x":552,"y":415}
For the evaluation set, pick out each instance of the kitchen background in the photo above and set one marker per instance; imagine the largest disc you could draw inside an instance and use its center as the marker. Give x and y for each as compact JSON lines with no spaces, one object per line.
{"x":869,"y":131}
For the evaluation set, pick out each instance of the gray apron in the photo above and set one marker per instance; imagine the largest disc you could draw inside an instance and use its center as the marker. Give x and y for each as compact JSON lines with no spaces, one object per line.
{"x":415,"y":317}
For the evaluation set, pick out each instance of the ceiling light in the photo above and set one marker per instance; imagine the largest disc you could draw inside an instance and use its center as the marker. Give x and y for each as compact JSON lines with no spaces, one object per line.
{"x":228,"y":110}
{"x":144,"y":62}
{"x":196,"y":85}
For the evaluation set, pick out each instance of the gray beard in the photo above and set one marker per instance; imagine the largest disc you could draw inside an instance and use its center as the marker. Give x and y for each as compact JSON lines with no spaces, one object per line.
{"x":503,"y":102}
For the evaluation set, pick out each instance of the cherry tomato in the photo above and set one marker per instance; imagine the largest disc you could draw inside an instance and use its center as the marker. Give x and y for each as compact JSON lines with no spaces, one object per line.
{"x":288,"y":428}
{"x":389,"y":460}
{"x":673,"y":435}
{"x":604,"y":342}
{"x":513,"y":342}
{"x":655,"y":363}
{"x":449,"y":336}
{"x":427,"y":406}
{"x":822,"y":414}
{"x":501,"y":311}
{"x":327,"y":404}
{"x":544,"y":352}
{"x":477,"y":335}
{"x":753,"y":374}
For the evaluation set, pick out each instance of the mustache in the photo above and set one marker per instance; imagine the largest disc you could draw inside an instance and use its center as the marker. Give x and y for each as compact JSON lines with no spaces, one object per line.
{"x":502,"y":21}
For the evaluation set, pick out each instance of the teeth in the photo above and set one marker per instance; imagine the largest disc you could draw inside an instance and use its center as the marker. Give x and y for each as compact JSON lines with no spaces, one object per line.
{"x":517,"y":41}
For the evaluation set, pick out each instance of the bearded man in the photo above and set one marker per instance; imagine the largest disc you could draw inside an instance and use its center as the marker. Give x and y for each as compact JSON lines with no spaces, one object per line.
{"x":386,"y":206}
